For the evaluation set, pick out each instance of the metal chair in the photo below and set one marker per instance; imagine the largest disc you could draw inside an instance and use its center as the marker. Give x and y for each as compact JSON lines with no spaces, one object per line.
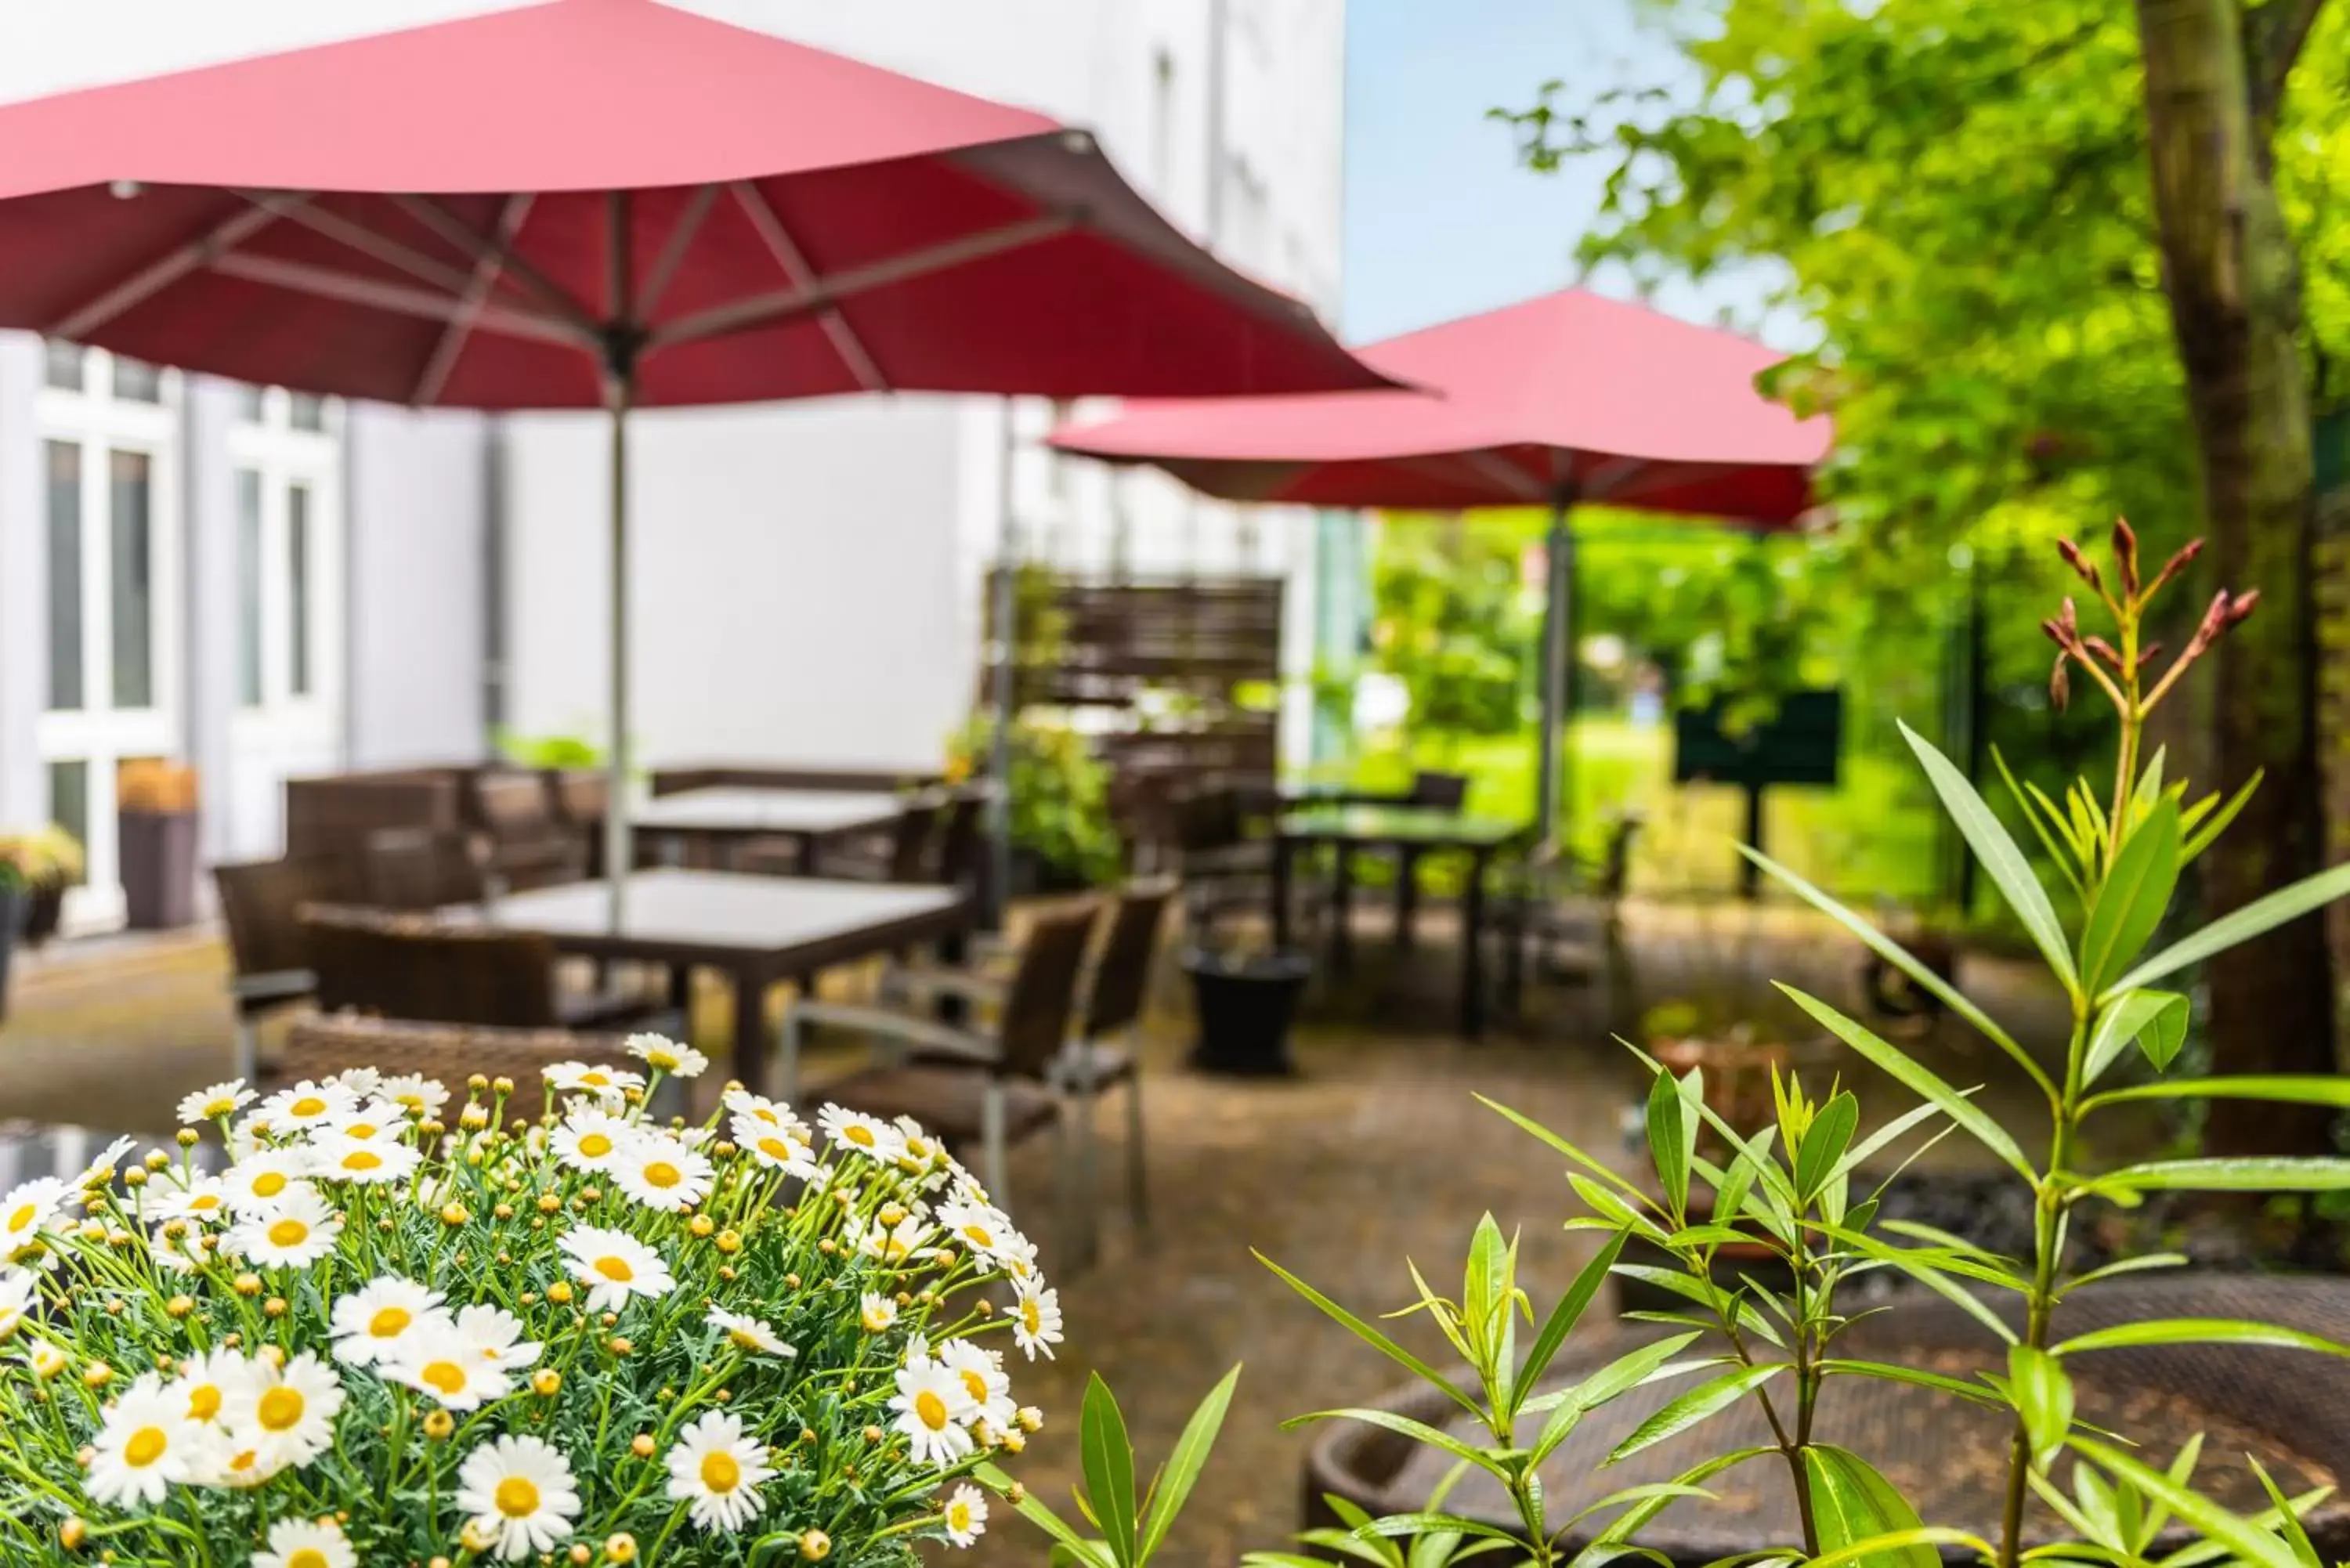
{"x":1104,"y":1054}
{"x":261,"y":903}
{"x":989,"y":1088}
{"x":1558,"y":899}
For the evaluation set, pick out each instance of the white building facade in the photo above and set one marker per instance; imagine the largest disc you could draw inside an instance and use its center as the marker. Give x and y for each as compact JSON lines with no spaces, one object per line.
{"x":267,"y":585}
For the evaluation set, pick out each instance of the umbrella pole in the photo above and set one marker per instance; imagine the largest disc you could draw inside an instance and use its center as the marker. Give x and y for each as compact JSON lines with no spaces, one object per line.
{"x":1557,"y":639}
{"x":619,"y":834}
{"x":1007,"y":700}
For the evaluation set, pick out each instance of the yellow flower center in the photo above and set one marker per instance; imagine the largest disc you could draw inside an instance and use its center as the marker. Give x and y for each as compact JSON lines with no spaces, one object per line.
{"x":362,"y":1159}
{"x":775,"y":1149}
{"x":976,"y":1383}
{"x":517,"y":1498}
{"x":1031,"y":1316}
{"x":615,"y":1268}
{"x":288,"y":1232}
{"x":244,"y":1461}
{"x":21,"y":1219}
{"x":280,"y":1409}
{"x":719,"y":1473}
{"x":664,"y":1060}
{"x":308,"y":1557}
{"x":875,"y":1319}
{"x":444,"y":1378}
{"x":595,"y":1080}
{"x":308,"y":1106}
{"x":762,"y":1113}
{"x":268,"y":1184}
{"x":389,"y":1320}
{"x":931,"y":1410}
{"x":860,"y":1136}
{"x":595,"y":1145}
{"x":361,"y":1130}
{"x":979,"y":1235}
{"x":958,"y":1515}
{"x":203,"y":1402}
{"x":204,"y":1203}
{"x":145,"y":1446}
{"x":219,"y":1108}
{"x":661,"y":1173}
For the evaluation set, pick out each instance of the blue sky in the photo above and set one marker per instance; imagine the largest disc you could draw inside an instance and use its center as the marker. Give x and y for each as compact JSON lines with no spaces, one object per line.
{"x":1441,"y":219}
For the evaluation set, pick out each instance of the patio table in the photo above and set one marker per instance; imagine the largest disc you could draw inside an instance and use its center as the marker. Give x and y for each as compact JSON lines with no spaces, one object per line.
{"x":756,"y":930}
{"x":723,"y":818}
{"x":1410,"y":832}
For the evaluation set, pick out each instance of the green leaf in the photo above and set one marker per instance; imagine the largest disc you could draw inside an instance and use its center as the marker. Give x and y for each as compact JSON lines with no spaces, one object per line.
{"x":1636,"y":1517}
{"x":2290,"y":1089}
{"x":1861,"y":1153}
{"x":2043,"y":1394}
{"x":2131,"y":899}
{"x":1405,"y":1427}
{"x":2201,"y":839}
{"x":1859,"y":1517}
{"x":1705,"y":1399}
{"x":2138,"y":1264}
{"x":2158,"y":1015}
{"x":1036,"y":1513}
{"x":1672,"y":1138}
{"x":2001,"y":860}
{"x":1913,"y":1548}
{"x":1668,"y":1490}
{"x":1566,"y":1315}
{"x":2199,"y":1331}
{"x":1895,"y":1062}
{"x":1403,"y":1524}
{"x":1369,"y":1335}
{"x":1598,"y":1167}
{"x":1626,"y":1372}
{"x":2258,"y":916}
{"x":2288,"y":1520}
{"x":1825,"y":1143}
{"x":2044,"y":816}
{"x":1976,"y":1392}
{"x":2248,"y":1174}
{"x":1486,"y":1297}
{"x":1183,"y":1466}
{"x":1901,"y":958}
{"x":2253,"y":1545}
{"x":1109,"y":1463}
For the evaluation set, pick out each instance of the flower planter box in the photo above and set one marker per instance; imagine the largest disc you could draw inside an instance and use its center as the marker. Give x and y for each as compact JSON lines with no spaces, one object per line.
{"x":1245,"y":1009}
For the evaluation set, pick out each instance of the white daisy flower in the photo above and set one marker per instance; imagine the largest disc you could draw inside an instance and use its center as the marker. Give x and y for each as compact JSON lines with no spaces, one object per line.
{"x":369,"y":1164}
{"x":678,"y":1061}
{"x":377,"y":1120}
{"x":110,"y":1160}
{"x":986,"y":1231}
{"x":868,"y":1136}
{"x":183,"y":1254}
{"x":615,"y":1266}
{"x":450,"y":1367}
{"x":213,"y":1383}
{"x":921,"y":1153}
{"x":262,"y":1181}
{"x":749,"y":1333}
{"x":306,"y":1544}
{"x":984,"y":1378}
{"x":25,"y":1212}
{"x":520,"y":1493}
{"x":298,"y":1232}
{"x":286,"y":1414}
{"x":1017,"y":1257}
{"x":717,"y":1469}
{"x":46,"y":1359}
{"x":590,"y":1139}
{"x":896,"y":1244}
{"x":779,"y":1147}
{"x":496,"y":1336}
{"x":371,"y":1324}
{"x":661,"y":1173}
{"x":238,"y":1465}
{"x":16,"y":1299}
{"x":200,"y":1200}
{"x":765,"y":1112}
{"x":1036,"y":1319}
{"x":876,"y":1312}
{"x":305,"y":1105}
{"x":360,"y":1081}
{"x":579,"y":1078}
{"x":145,"y":1443}
{"x":966,"y":1513}
{"x":933,"y":1406}
{"x":212,"y":1104}
{"x":420,"y":1097}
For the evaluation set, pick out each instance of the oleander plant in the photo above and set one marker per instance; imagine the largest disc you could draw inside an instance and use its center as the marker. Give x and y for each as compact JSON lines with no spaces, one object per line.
{"x":537,"y":1325}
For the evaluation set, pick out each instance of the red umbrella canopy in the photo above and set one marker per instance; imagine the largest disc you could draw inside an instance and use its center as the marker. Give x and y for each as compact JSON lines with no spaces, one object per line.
{"x":1569,"y":396}
{"x":489,"y":213}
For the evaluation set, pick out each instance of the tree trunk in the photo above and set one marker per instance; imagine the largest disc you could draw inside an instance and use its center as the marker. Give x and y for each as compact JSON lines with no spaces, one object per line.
{"x":2234,"y":288}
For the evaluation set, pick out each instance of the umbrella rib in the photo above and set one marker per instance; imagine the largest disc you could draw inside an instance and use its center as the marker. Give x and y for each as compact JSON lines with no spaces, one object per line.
{"x":673,"y":249}
{"x":794,"y":263}
{"x":435,"y":378}
{"x":765,"y":310}
{"x":1493,"y":465}
{"x":367,"y":241}
{"x":472,"y":241}
{"x":350,"y":288}
{"x":165,"y":270}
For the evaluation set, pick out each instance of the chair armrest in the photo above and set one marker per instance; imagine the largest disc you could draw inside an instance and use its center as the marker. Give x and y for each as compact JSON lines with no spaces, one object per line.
{"x":923,"y":1033}
{"x":921,"y":980}
{"x":284,"y":984}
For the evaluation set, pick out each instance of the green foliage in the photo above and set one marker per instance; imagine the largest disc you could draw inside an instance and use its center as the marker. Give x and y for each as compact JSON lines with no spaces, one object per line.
{"x":1059,"y":793}
{"x":548,"y":750}
{"x":1451,"y":621}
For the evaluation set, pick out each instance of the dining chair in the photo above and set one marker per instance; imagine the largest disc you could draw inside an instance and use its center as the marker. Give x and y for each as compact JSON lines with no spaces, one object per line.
{"x":261,"y":903}
{"x":1105,"y":1051}
{"x":529,"y":847}
{"x":986,"y":1087}
{"x":400,"y":965}
{"x":901,"y":853}
{"x":1566,"y":914}
{"x":961,"y":835}
{"x":448,"y":1053}
{"x":420,"y":869}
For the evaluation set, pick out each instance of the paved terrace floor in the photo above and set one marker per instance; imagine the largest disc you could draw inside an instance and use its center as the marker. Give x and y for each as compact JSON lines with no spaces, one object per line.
{"x":1374,"y":1152}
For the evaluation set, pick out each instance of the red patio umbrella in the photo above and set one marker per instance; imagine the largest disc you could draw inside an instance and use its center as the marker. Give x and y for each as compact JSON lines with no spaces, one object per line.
{"x":1564,"y":399}
{"x":611,"y":204}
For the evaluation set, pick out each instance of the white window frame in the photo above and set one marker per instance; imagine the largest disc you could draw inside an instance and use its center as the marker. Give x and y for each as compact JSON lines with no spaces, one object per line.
{"x":286,"y":457}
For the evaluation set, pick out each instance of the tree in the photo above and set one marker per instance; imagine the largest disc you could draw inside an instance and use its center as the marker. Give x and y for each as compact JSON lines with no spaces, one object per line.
{"x":2006,"y":241}
{"x":1450,"y":622}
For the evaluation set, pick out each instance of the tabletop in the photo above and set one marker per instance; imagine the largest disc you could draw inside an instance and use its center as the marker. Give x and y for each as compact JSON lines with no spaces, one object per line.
{"x":1425,"y":827}
{"x":715,"y":916}
{"x":732,"y":809}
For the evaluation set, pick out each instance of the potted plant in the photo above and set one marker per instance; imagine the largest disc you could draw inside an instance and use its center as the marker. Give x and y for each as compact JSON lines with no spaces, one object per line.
{"x":1058,"y":796}
{"x":535,"y":1324}
{"x":36,"y":868}
{"x":1247,"y":997}
{"x":155,"y":804}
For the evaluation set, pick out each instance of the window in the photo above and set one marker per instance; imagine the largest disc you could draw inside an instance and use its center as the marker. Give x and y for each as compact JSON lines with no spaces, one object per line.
{"x":65,"y":366}
{"x":70,"y":798}
{"x":65,"y":574}
{"x":248,"y":588}
{"x":131,"y":500}
{"x":136,"y":381}
{"x":306,"y":410}
{"x":1162,"y":124}
{"x":250,"y":403}
{"x":297,"y":589}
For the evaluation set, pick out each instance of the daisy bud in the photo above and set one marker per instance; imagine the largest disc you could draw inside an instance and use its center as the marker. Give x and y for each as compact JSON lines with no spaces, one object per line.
{"x":475,"y":1539}
{"x":620,"y":1345}
{"x":873,"y":1434}
{"x":621,"y":1548}
{"x":816,"y":1546}
{"x":180,"y":1306}
{"x":248,"y":1285}
{"x":438,"y":1562}
{"x":642,"y":1444}
{"x":188,"y":1138}
{"x":273,"y":1354}
{"x":439,"y":1424}
{"x":455,"y":1214}
{"x":701,"y":1225}
{"x":1013,"y":1442}
{"x":546,"y":1382}
{"x":559,"y":1293}
{"x":728,"y":1242}
{"x":274,"y":1307}
{"x":1016,"y":1494}
{"x":502,"y":1211}
{"x":580,"y":1554}
{"x":72,"y":1533}
{"x":1030,"y":1419}
{"x":134,"y":1176}
{"x":98,"y":1375}
{"x":502,"y":1086}
{"x":892,"y":1214}
{"x":477,"y":1083}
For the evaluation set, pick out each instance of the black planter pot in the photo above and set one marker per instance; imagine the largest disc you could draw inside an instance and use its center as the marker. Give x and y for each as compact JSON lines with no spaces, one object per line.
{"x":158,"y":868}
{"x":44,"y":911}
{"x":1245,"y":1010}
{"x":12,"y":914}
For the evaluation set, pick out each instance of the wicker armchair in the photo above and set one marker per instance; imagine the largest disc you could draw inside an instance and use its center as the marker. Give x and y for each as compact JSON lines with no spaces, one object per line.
{"x":423,"y":868}
{"x":415,"y":967}
{"x":529,"y":846}
{"x":448,"y":1053}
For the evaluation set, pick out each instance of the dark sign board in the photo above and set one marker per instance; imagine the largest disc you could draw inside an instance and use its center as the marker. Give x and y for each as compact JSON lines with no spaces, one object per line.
{"x":1799,"y":744}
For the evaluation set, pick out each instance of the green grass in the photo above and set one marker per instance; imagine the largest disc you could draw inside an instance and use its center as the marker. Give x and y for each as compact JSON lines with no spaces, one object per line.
{"x":1871,"y":837}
